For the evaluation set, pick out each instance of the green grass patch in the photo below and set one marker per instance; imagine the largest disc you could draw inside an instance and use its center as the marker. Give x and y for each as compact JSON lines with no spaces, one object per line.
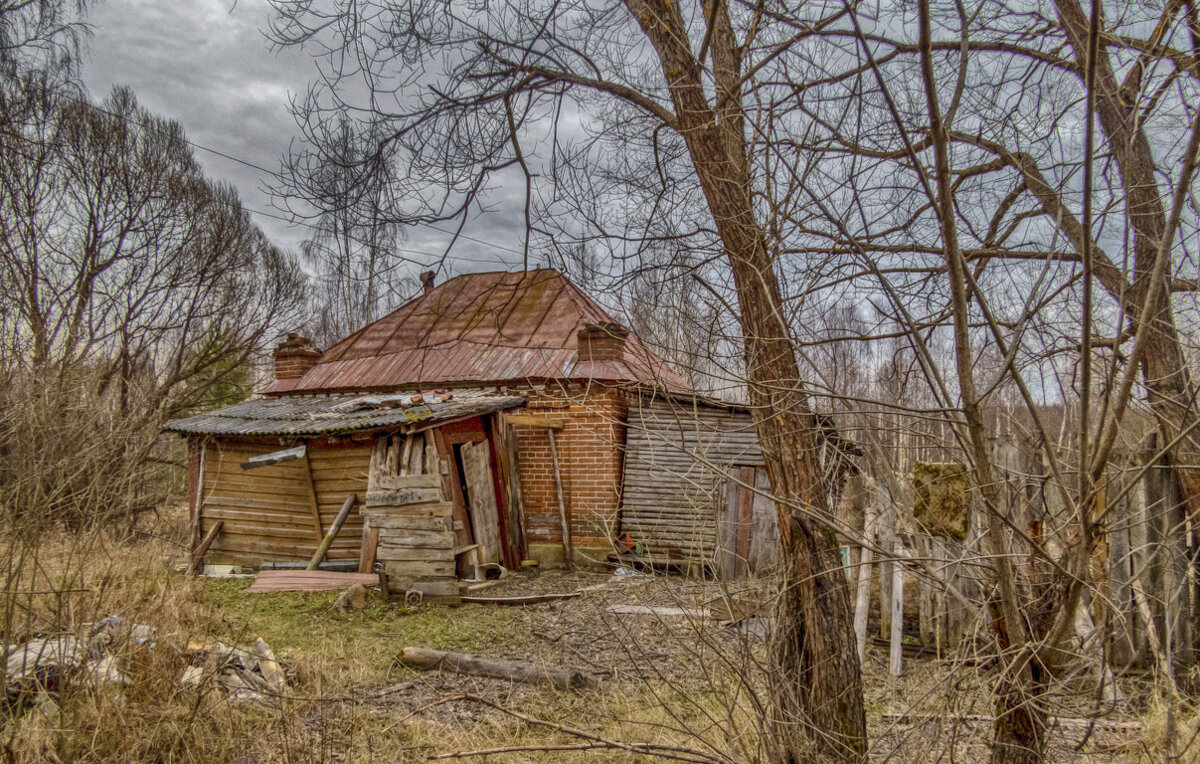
{"x":303,"y":627}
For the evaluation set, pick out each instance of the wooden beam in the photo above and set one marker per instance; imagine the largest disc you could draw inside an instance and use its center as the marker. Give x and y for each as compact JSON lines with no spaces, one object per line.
{"x":534,"y":421}
{"x":319,"y":555}
{"x":563,"y":515}
{"x":313,"y":505}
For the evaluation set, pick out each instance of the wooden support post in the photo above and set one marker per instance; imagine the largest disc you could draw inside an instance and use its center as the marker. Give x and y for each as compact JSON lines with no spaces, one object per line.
{"x":313,"y":504}
{"x":887,"y":564}
{"x":516,"y":510}
{"x":202,"y":549}
{"x":897,"y":620}
{"x":319,"y":555}
{"x":198,"y":499}
{"x":862,"y":599}
{"x":564,"y":514}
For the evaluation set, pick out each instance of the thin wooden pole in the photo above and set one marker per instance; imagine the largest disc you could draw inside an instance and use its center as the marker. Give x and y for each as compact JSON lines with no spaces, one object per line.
{"x":897,"y":630}
{"x":887,"y":563}
{"x":198,"y":503}
{"x":563,"y":515}
{"x":313,"y":505}
{"x":862,"y":600}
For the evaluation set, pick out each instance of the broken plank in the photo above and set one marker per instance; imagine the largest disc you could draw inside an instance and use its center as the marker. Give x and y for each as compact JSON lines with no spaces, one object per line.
{"x":275,"y":457}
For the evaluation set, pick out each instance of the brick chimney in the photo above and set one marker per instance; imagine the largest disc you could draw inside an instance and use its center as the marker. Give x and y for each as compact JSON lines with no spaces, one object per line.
{"x":602,"y":342}
{"x":294,"y":356}
{"x":427,"y":281}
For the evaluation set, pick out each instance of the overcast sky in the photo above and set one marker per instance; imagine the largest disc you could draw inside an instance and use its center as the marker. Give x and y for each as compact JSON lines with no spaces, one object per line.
{"x":206,"y":64}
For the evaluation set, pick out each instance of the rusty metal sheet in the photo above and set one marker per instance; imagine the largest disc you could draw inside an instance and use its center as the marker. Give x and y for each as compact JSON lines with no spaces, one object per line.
{"x":480,"y":328}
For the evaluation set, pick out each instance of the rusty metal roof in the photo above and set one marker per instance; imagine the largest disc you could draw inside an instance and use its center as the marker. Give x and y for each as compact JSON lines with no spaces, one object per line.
{"x":307,"y":415}
{"x":476,"y":328}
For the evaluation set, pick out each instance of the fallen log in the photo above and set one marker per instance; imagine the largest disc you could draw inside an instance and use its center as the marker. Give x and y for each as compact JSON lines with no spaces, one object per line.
{"x":525,"y":599}
{"x":424,"y":659}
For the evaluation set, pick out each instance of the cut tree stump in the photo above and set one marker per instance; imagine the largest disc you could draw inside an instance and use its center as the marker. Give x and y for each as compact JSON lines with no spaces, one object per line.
{"x":424,"y":659}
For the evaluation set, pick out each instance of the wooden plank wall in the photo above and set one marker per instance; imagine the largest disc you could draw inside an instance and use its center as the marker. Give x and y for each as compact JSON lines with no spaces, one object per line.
{"x":267,"y":512}
{"x":672,"y":498}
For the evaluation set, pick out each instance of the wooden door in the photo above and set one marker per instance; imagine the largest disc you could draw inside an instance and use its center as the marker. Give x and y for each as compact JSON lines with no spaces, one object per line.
{"x":481,"y":499}
{"x":748,"y":530}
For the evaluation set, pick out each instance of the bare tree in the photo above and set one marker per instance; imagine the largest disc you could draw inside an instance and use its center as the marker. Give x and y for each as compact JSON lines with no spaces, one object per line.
{"x":132,"y":285}
{"x":484,"y":78}
{"x":342,"y":183}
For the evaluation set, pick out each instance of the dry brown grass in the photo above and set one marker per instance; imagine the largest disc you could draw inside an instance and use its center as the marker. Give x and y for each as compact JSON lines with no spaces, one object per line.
{"x":669,"y":681}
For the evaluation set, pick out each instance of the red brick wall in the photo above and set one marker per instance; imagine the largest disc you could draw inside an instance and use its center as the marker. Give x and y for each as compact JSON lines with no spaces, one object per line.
{"x":589,"y":453}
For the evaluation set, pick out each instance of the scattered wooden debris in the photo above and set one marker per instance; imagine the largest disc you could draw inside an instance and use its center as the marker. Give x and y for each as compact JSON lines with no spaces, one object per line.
{"x":424,"y":659}
{"x":36,"y":670}
{"x":252,"y":674}
{"x":528,"y":599}
{"x":309,"y":580}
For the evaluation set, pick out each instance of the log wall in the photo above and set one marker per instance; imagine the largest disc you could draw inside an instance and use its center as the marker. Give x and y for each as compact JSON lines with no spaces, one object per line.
{"x":267,"y":511}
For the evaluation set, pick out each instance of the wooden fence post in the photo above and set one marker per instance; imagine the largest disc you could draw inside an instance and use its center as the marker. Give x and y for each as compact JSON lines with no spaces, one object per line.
{"x":862,"y":599}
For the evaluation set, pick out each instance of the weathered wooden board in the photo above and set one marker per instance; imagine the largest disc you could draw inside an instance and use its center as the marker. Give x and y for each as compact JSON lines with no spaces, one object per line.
{"x":412,"y":570}
{"x":406,"y":482}
{"x":481,"y":497}
{"x":414,"y":554}
{"x":401,"y":497}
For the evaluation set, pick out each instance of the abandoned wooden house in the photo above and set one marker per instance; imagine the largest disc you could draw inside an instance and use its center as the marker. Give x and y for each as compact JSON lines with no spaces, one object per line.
{"x":495,"y":418}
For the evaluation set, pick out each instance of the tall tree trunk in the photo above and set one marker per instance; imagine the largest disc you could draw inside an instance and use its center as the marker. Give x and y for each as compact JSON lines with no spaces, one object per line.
{"x":816,"y":681}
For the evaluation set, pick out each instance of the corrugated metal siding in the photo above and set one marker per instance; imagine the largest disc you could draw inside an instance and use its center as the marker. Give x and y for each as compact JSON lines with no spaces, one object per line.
{"x":480,"y":327}
{"x":676,"y":460}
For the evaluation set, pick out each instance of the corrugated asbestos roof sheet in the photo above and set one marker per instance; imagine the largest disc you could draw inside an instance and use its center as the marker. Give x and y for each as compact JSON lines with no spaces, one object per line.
{"x":481,"y":327}
{"x":333,"y":414}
